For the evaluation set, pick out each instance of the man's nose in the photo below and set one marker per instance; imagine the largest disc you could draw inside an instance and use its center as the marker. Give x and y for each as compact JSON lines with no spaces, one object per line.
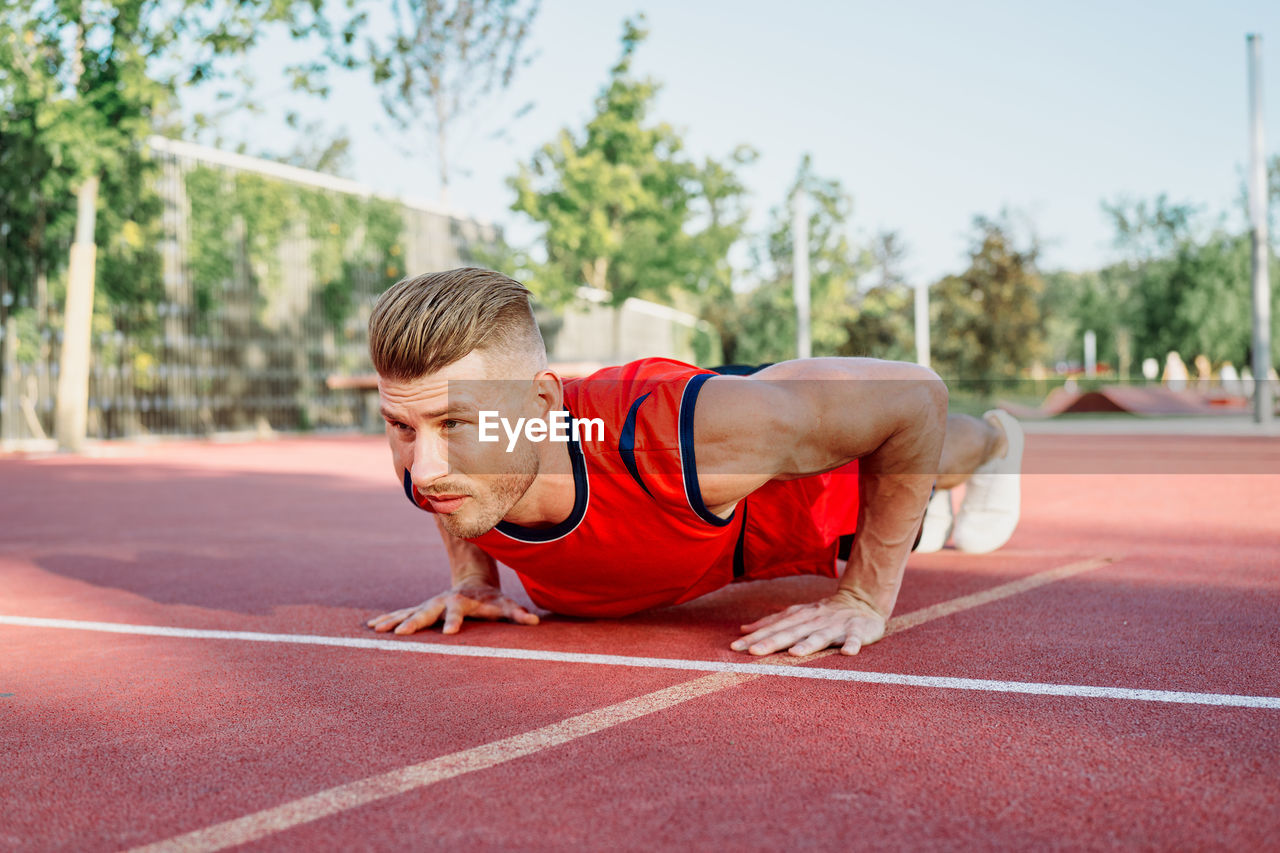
{"x":430,"y":460}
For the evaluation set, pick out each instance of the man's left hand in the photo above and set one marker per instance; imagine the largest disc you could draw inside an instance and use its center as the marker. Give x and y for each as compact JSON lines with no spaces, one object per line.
{"x":803,"y":629}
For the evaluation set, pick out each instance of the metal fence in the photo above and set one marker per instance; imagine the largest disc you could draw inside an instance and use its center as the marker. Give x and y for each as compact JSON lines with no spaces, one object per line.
{"x":267,"y":274}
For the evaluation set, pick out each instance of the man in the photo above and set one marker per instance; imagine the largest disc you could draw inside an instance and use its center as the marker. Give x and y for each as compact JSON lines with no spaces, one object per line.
{"x":690,"y":481}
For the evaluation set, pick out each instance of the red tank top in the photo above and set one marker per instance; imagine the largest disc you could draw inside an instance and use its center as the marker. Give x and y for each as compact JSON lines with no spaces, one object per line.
{"x":639,"y":535}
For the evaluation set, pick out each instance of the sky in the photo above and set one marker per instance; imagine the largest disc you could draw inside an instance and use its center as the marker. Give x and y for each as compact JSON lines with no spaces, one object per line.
{"x":928,"y":113}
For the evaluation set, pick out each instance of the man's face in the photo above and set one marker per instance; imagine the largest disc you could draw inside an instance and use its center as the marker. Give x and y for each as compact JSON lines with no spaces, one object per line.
{"x":432,"y":427}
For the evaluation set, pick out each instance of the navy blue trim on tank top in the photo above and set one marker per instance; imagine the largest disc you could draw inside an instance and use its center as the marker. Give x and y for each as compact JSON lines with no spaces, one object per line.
{"x":581,"y":492}
{"x":740,"y":550}
{"x":408,"y":491}
{"x":627,"y":443}
{"x":687,"y":459}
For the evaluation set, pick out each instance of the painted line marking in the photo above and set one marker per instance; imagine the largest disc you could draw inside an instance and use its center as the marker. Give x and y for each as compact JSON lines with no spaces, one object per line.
{"x":780,"y":664}
{"x":995,"y":593}
{"x":778,"y":667}
{"x":986,"y":596}
{"x":724,"y":675}
{"x":896,"y":625}
{"x":364,"y":791}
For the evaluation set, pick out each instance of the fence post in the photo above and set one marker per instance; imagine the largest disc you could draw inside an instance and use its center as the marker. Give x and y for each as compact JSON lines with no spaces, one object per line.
{"x":71,"y":418}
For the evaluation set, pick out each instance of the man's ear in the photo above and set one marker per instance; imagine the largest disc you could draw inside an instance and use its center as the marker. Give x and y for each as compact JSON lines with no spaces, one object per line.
{"x":549,"y":388}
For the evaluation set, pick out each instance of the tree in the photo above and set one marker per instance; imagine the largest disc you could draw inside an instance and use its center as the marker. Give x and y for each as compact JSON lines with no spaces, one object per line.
{"x":987,"y":320}
{"x":1145,"y":231}
{"x":85,"y":82}
{"x":443,"y":58}
{"x":888,"y":254}
{"x":623,"y":209}
{"x":1272,"y":201}
{"x":722,"y":201}
{"x":1070,"y":305}
{"x":883,"y":326}
{"x":1183,"y":286}
{"x":768,"y":321}
{"x":37,"y":206}
{"x":1197,"y":300}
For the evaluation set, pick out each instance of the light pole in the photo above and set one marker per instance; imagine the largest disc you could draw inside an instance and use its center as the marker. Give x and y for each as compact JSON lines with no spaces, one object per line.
{"x":1263,"y":406}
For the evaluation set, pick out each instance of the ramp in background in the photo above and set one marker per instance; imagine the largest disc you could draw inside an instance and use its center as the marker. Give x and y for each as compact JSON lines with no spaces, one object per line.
{"x":1153,"y":400}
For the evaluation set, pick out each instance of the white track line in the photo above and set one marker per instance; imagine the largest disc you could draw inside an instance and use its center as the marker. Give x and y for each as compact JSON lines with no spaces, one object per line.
{"x":343,"y":798}
{"x":753,"y":669}
{"x":785,"y":668}
{"x":362,"y":792}
{"x":995,"y":593}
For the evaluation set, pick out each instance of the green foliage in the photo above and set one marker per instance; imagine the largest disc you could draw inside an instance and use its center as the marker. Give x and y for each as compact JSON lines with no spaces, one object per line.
{"x":622,"y":208}
{"x":26,"y":328}
{"x":1072,"y":303}
{"x":239,"y":214}
{"x":1197,"y":300}
{"x":765,"y":330}
{"x":129,"y":232}
{"x":37,"y":207}
{"x":81,"y":84}
{"x":987,"y":322}
{"x":1212,"y":308}
{"x":885,"y":323}
{"x":883,"y":326}
{"x":1184,"y":286}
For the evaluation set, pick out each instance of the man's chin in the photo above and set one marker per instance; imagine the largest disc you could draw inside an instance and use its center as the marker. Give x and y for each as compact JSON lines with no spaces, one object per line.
{"x":461,"y":527}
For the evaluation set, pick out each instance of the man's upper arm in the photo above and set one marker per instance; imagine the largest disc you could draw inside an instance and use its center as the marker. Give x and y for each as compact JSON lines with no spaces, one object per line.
{"x":804,"y":417}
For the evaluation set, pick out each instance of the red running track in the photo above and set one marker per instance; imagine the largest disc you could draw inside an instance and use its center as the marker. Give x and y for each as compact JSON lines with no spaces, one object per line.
{"x":117,"y":740}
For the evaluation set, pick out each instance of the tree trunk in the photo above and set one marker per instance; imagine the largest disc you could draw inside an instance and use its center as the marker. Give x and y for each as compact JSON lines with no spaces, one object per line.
{"x":72,"y":413}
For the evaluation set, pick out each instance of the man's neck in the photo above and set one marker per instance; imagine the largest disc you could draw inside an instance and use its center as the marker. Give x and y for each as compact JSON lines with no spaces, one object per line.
{"x":550,"y":498}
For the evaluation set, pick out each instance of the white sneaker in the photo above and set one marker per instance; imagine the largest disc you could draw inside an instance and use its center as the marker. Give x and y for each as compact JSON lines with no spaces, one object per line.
{"x":937,"y":523}
{"x":993,"y":494}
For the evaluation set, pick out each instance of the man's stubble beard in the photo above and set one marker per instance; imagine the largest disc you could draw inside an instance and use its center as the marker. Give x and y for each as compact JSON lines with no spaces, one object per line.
{"x":489,"y":507}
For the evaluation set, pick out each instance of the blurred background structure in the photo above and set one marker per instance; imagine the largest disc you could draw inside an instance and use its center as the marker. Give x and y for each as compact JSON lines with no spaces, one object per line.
{"x":1027,"y":220}
{"x":264,"y":276}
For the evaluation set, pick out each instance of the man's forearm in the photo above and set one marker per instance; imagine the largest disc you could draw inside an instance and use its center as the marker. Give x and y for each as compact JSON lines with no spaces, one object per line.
{"x":467,"y":562}
{"x":889,"y":516}
{"x":894,"y":483}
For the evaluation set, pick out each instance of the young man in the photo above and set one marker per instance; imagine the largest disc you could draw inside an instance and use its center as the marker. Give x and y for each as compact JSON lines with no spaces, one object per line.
{"x":655,"y":482}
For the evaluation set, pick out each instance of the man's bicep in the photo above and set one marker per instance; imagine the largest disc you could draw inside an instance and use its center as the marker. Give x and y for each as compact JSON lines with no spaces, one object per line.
{"x":753,"y":429}
{"x":789,"y":423}
{"x":855,"y":405}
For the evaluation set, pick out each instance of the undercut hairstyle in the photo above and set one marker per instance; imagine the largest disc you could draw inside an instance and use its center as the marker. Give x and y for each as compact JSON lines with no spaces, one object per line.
{"x":425,"y":323}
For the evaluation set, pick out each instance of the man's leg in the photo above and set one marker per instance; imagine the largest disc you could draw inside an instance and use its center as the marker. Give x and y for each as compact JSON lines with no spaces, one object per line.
{"x":985,"y":453}
{"x":969,"y":443}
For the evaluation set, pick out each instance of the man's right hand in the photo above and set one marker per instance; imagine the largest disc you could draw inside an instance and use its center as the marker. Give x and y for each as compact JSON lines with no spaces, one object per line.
{"x":479,"y":601}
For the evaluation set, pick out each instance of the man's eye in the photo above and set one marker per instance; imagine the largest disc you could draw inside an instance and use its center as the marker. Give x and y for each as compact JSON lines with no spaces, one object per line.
{"x":451,"y":424}
{"x":401,"y":427}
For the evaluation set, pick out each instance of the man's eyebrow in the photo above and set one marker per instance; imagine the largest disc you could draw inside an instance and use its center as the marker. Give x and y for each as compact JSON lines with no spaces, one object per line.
{"x":453,"y":409}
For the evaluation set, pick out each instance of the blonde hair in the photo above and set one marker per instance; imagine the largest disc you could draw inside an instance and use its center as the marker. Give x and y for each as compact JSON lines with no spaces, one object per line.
{"x":425,"y":323}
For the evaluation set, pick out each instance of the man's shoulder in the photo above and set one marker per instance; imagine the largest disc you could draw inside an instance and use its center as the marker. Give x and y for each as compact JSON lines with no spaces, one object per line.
{"x":642,"y":370}
{"x":623,"y":384}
